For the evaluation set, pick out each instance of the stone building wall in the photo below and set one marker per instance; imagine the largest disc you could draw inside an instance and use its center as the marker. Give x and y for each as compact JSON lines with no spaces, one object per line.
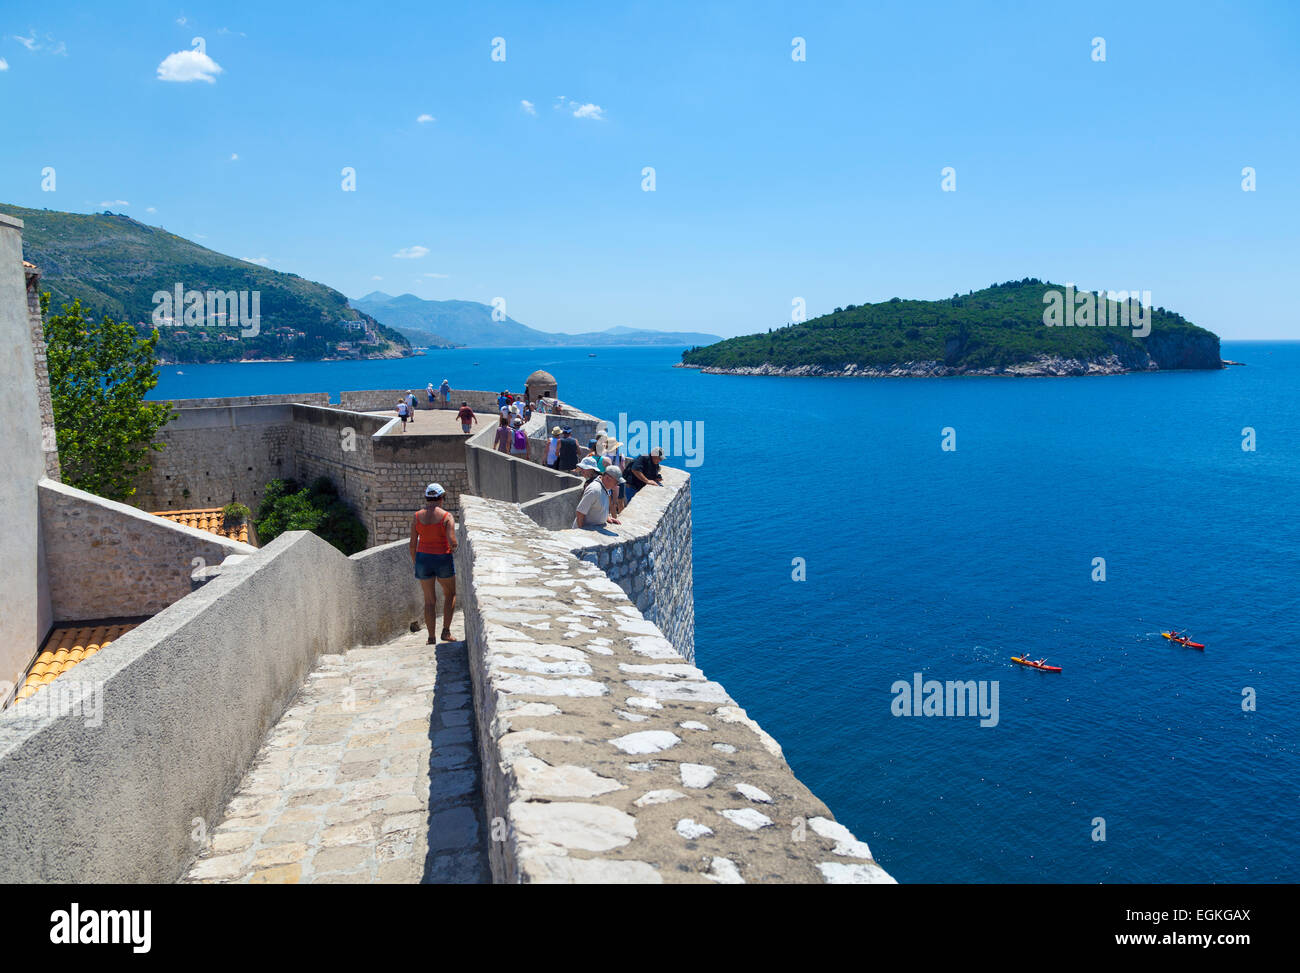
{"x":108,"y":560}
{"x":49,"y":442}
{"x":215,"y":454}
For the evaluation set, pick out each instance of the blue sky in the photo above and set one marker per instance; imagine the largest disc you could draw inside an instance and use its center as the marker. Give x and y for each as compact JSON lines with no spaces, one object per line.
{"x":775,"y":178}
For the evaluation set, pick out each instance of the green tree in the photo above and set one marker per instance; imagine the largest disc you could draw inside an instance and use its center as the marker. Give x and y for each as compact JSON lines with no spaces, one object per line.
{"x":99,"y":376}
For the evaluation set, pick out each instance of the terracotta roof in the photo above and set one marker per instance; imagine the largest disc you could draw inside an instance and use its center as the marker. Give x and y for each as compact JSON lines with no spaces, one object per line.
{"x":28,"y":263}
{"x":209,"y":520}
{"x":66,"y":646}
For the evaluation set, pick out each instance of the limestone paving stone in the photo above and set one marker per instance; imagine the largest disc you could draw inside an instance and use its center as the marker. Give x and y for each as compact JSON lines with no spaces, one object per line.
{"x":688,"y":760}
{"x":350,"y":785}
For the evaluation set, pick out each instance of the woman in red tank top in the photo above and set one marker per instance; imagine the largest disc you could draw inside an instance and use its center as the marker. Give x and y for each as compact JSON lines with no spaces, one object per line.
{"x":433,"y":542}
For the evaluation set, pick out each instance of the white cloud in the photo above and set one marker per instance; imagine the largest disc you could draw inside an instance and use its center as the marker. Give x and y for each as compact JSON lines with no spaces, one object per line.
{"x":584,"y":110}
{"x":260,"y":261}
{"x":438,"y":276}
{"x":376,"y":277}
{"x":150,"y":209}
{"x":182,"y":21}
{"x":423,"y":119}
{"x":4,"y":65}
{"x":33,"y":44}
{"x":114,"y":202}
{"x":411,"y":253}
{"x":528,"y":106}
{"x":188,"y":66}
{"x":234,"y":156}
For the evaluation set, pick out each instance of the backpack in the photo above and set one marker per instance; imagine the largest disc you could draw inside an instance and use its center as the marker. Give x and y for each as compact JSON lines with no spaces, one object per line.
{"x":521,"y":440}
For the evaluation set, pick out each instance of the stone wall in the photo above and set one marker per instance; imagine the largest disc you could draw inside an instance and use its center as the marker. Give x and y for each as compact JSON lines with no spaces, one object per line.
{"x":24,"y":596}
{"x":649,"y":556}
{"x":235,"y":401}
{"x":606,"y":756}
{"x":40,"y":353}
{"x":108,"y":560}
{"x":230,"y":449}
{"x":212,"y":455}
{"x":385,"y":400}
{"x":159,"y":729}
{"x":338,"y":445}
{"x":501,"y":476}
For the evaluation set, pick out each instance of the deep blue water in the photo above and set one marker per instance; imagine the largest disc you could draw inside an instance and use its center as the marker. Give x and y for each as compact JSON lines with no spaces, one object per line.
{"x":948,"y":563}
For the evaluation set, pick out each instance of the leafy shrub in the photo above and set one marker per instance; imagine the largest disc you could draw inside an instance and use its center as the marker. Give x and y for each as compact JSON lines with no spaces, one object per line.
{"x":318,"y":508}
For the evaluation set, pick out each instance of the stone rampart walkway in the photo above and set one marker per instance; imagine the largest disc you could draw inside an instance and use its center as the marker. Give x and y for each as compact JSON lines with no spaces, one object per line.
{"x":370,"y":776}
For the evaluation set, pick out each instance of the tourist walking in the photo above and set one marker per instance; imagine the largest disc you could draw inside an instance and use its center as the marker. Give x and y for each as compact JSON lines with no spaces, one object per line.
{"x":466,"y":416}
{"x":433,"y":542}
{"x":551,"y":445}
{"x":403,"y":413}
{"x":445,"y":389}
{"x":411,"y":402}
{"x":519,"y":440}
{"x":503,"y":401}
{"x":593,"y":508}
{"x":430,"y":391}
{"x":566,"y":451}
{"x":504,"y":435}
{"x":643,"y":472}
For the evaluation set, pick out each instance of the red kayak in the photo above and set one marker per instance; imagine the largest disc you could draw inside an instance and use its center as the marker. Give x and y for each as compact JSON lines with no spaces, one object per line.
{"x":1182,"y":641}
{"x":1035,"y":665}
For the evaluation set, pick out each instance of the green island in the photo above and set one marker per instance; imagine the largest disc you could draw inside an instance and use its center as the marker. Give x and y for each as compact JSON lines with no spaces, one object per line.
{"x":999,"y":330}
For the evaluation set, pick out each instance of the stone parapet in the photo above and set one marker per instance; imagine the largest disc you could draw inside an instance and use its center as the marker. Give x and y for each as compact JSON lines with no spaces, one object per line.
{"x":104,"y":772}
{"x":606,"y":755}
{"x":107,"y":560}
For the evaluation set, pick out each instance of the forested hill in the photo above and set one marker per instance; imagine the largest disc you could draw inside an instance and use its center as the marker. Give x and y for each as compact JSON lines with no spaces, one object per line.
{"x":997,"y":330}
{"x":115,"y":265}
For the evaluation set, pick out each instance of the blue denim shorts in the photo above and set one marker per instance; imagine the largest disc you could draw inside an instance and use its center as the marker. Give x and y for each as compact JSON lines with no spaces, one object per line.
{"x":434,"y":566}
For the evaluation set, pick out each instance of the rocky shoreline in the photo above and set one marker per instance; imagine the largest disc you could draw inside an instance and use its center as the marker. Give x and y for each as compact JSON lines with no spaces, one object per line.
{"x":1043,"y":366}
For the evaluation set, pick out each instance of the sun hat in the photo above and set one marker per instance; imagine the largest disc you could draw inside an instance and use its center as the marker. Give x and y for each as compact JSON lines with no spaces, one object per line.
{"x":555,"y":430}
{"x":589,"y":463}
{"x":433,"y":491}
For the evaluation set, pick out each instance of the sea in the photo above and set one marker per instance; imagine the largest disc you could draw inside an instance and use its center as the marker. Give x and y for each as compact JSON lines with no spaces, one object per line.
{"x":850,"y":534}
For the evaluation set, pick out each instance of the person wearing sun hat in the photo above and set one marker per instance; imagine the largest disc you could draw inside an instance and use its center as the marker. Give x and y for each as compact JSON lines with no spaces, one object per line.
{"x":566,"y":451}
{"x":433,"y":544}
{"x":551,"y":445}
{"x":594,"y":507}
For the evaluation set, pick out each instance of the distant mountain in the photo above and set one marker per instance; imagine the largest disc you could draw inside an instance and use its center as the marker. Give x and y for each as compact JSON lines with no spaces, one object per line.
{"x":1000,"y":330}
{"x":470,"y":323}
{"x":115,"y":265}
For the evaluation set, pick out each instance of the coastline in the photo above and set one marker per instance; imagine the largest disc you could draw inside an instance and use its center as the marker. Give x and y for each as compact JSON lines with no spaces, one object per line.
{"x":1042,"y":367}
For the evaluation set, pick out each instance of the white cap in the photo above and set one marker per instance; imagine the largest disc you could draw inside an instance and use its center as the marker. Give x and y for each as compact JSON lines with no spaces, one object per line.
{"x":433,"y":491}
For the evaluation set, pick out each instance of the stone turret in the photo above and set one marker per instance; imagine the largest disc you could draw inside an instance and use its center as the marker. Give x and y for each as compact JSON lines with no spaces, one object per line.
{"x":540,"y":383}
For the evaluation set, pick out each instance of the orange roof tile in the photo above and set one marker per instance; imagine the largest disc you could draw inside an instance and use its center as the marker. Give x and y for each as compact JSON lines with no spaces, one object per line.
{"x":67,"y":646}
{"x":209,"y":519}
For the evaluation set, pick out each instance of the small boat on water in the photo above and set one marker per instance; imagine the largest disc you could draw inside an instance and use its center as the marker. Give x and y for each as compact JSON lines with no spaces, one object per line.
{"x":1181,"y":639}
{"x":1035,"y":665}
{"x":591,"y":354}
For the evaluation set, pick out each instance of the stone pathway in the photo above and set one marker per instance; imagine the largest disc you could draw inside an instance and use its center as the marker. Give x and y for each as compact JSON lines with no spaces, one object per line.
{"x":370,"y":776}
